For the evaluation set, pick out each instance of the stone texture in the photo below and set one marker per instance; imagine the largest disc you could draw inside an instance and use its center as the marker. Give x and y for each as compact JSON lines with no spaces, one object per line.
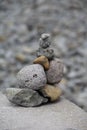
{"x":55,"y":72}
{"x":44,"y":47}
{"x":43,"y":61}
{"x":55,"y":116}
{"x":25,"y":97}
{"x":52,"y":92}
{"x":11,"y":92}
{"x":32,"y":76}
{"x":45,"y":40}
{"x":48,"y":52}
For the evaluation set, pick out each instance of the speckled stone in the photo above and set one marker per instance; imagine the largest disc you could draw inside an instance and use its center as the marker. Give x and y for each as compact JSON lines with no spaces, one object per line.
{"x":43,"y":61}
{"x":45,"y":40}
{"x":55,"y":72}
{"x":25,"y":97}
{"x":11,"y":92}
{"x":48,"y":52}
{"x":44,"y":47}
{"x":32,"y":76}
{"x":51,"y":92}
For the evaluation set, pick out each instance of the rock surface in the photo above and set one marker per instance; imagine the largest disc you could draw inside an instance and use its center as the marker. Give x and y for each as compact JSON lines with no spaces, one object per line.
{"x":32,"y":76}
{"x":25,"y":97}
{"x":56,"y":116}
{"x":55,"y":72}
{"x":11,"y":92}
{"x":52,"y":92}
{"x":43,"y":61}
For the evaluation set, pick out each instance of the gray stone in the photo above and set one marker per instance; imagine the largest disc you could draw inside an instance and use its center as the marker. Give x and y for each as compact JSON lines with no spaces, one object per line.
{"x":11,"y":92}
{"x":55,"y":72}
{"x":32,"y":76}
{"x":48,"y":52}
{"x":56,"y":116}
{"x":25,"y":97}
{"x":44,"y":49}
{"x":45,"y":36}
{"x":45,"y":40}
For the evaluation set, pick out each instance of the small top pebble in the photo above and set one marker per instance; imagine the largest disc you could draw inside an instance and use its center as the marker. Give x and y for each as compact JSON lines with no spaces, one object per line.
{"x":45,"y":36}
{"x":44,"y":47}
{"x":45,"y":40}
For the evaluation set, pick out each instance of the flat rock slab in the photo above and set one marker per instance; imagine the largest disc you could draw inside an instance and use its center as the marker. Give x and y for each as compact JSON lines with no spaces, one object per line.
{"x":56,"y":116}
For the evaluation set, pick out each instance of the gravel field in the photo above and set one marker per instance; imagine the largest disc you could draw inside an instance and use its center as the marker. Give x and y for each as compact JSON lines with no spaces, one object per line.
{"x":21,"y":24}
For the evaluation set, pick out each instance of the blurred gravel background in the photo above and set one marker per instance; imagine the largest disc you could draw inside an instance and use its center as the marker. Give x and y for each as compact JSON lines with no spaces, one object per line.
{"x":22,"y":22}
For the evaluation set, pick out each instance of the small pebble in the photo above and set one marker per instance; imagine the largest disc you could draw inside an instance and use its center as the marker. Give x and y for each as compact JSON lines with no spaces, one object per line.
{"x":48,"y":52}
{"x":52,"y":92}
{"x":43,"y":61}
{"x":44,"y":36}
{"x":45,"y":41}
{"x":2,"y":38}
{"x":32,"y":76}
{"x":44,"y":49}
{"x":55,"y":72}
{"x":20,"y":57}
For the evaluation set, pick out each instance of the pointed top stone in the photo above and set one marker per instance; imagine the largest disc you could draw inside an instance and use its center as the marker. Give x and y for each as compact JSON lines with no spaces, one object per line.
{"x":45,"y":36}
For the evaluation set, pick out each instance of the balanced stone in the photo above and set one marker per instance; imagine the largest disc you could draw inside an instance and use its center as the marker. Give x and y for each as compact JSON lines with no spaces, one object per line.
{"x":48,"y":52}
{"x":44,"y":47}
{"x":51,"y":92}
{"x":45,"y":40}
{"x":55,"y":72}
{"x":32,"y":76}
{"x":43,"y":61}
{"x":25,"y":97}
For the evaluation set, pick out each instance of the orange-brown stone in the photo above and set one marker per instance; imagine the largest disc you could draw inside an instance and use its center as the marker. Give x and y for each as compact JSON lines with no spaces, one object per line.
{"x":51,"y":92}
{"x":42,"y":60}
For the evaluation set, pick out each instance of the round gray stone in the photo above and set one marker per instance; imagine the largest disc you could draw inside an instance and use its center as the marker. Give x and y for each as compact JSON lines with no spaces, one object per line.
{"x":32,"y":76}
{"x":55,"y":72}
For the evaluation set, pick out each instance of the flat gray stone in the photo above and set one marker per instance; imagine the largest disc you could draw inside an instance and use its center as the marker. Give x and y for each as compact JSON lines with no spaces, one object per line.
{"x":57,"y":116}
{"x":25,"y":97}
